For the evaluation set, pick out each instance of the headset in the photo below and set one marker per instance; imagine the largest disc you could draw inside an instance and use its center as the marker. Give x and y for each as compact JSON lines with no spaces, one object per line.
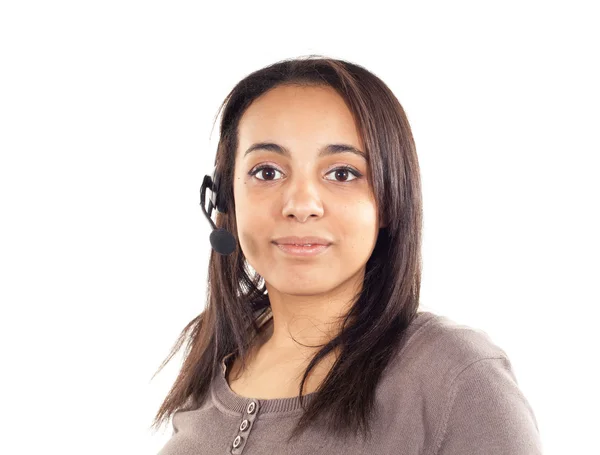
{"x":221,"y":240}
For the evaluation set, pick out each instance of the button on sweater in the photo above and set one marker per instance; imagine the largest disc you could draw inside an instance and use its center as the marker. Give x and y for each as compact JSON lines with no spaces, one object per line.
{"x":449,"y":390}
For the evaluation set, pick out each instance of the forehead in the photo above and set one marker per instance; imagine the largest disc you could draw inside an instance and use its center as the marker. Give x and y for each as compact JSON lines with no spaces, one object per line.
{"x":298,"y":116}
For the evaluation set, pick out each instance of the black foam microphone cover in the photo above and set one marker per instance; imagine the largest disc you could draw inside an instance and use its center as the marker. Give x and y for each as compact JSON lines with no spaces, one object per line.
{"x":222,"y":241}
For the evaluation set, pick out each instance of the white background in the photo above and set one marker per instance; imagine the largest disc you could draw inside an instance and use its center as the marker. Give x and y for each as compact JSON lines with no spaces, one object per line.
{"x":106,"y":112}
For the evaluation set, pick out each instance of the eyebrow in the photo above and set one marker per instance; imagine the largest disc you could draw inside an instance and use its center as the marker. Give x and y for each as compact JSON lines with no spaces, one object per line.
{"x":330,"y":149}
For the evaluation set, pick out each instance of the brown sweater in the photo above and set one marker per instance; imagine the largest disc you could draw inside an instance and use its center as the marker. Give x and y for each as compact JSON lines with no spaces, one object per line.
{"x":450,"y":391}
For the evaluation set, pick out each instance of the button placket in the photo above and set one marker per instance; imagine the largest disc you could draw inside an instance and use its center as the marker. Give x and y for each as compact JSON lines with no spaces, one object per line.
{"x":245,"y":427}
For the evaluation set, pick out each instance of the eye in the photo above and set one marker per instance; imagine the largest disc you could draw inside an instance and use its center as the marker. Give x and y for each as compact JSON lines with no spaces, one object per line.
{"x":258,"y":171}
{"x":341,"y":172}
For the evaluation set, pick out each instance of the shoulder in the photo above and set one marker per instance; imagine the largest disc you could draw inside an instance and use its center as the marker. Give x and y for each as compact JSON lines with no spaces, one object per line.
{"x":466,"y":389}
{"x":437,"y":351}
{"x":439,"y":343}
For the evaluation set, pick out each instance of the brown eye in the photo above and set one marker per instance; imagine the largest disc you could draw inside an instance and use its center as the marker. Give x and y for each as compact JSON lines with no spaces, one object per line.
{"x":342,"y":174}
{"x":266,"y":172}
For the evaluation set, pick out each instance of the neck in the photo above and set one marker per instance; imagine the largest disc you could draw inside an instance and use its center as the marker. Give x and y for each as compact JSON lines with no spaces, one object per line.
{"x":303,"y":323}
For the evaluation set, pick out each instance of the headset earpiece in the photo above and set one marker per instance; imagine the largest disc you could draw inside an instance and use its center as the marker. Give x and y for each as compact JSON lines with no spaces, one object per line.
{"x":217,"y":198}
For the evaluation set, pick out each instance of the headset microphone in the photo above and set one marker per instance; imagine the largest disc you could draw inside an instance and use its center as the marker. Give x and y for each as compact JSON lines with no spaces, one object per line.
{"x":221,"y":240}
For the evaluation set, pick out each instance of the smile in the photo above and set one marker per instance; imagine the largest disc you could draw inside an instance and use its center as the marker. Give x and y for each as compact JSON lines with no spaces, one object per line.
{"x":302,"y":250}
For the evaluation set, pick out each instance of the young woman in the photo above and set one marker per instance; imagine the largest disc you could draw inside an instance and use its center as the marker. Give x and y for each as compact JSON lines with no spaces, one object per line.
{"x":311,"y":340}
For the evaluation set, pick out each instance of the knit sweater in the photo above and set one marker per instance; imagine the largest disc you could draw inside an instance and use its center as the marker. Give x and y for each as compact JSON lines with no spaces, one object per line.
{"x":449,"y":391}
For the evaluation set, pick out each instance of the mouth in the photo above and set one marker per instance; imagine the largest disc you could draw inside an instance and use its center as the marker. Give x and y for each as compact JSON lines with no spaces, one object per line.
{"x":302,"y":250}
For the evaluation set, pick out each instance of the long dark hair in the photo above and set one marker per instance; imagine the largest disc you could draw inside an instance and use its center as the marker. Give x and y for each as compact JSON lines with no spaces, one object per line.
{"x":389,"y":298}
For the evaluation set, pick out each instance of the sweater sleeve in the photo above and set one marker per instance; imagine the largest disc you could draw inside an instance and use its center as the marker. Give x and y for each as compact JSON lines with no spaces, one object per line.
{"x":488,"y":414}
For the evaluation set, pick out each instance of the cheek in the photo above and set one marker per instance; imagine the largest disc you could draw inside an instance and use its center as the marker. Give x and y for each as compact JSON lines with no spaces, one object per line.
{"x":359,"y":227}
{"x":254,"y":230}
{"x":247,"y":232}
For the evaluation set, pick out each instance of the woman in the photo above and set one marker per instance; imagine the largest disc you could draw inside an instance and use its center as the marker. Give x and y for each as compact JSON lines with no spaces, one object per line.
{"x":311,"y":340}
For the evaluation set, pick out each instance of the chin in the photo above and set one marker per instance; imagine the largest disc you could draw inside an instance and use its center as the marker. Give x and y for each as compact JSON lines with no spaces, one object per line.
{"x":295,"y":285}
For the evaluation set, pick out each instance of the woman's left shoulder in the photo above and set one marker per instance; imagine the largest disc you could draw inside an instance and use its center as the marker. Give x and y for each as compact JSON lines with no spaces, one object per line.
{"x":453,"y":343}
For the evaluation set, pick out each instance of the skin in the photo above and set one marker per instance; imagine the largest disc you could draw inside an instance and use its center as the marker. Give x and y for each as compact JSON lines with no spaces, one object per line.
{"x":303,"y":194}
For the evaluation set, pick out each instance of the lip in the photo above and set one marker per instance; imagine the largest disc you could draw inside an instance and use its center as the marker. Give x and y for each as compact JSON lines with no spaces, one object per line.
{"x":294,"y":240}
{"x":302,"y":251}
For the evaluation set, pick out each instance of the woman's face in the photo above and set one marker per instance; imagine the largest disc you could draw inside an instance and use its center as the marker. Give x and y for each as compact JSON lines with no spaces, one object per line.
{"x":303,"y":193}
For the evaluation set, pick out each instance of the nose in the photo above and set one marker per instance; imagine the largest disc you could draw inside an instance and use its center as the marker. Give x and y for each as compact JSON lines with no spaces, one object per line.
{"x":302,"y":200}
